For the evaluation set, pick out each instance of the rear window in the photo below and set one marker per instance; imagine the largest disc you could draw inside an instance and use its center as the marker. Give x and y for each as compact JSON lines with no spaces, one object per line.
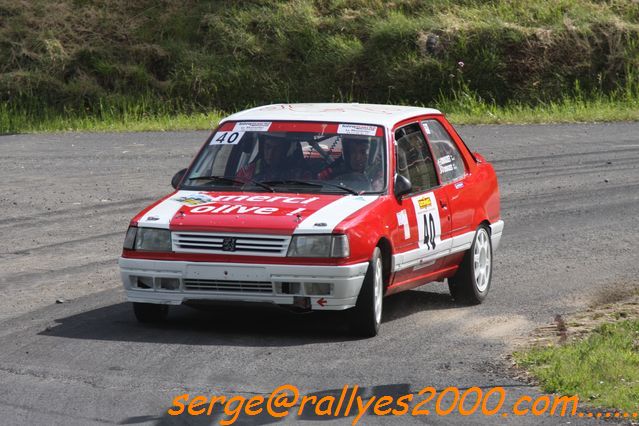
{"x":449,"y":160}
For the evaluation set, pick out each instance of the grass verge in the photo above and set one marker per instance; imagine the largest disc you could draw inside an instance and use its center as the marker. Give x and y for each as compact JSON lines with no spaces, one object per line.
{"x":603,"y":368}
{"x":128,"y":120}
{"x":462,"y":109}
{"x":565,"y":111}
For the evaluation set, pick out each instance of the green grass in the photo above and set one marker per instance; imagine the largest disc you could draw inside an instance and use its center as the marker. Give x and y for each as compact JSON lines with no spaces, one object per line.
{"x":528,"y":61}
{"x":467,"y":109}
{"x":603,"y":369}
{"x":110,"y":114}
{"x":461,"y":110}
{"x":22,"y":122}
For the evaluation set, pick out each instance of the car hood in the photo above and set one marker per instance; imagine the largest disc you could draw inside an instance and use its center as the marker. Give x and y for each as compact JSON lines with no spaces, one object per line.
{"x":252,"y":212}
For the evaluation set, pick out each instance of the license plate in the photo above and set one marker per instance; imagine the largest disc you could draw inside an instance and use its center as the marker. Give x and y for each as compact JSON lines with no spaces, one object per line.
{"x":230,"y":273}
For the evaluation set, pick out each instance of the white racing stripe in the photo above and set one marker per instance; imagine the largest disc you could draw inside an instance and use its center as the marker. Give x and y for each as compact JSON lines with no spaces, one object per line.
{"x":420,"y":257}
{"x":160,"y":216}
{"x":328,"y":217}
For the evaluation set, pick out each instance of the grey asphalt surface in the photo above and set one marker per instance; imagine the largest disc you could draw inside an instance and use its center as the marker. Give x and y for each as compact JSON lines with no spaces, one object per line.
{"x":570,"y":197}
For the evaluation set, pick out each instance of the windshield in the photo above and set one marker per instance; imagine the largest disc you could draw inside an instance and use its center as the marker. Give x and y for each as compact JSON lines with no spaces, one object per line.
{"x":292,"y":156}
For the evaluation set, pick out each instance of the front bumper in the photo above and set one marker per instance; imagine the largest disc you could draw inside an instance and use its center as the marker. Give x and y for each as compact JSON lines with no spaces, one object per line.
{"x":496,"y":230}
{"x":202,"y":281}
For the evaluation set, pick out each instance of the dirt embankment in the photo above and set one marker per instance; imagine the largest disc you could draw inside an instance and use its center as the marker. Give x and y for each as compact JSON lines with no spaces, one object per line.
{"x":93,"y":55}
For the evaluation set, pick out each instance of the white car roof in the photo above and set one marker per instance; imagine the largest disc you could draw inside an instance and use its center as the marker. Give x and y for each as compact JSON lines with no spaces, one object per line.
{"x":384,"y":115}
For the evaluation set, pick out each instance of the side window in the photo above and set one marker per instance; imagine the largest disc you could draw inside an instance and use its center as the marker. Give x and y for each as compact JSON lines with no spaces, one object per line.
{"x":449,"y":159}
{"x":414,"y":161}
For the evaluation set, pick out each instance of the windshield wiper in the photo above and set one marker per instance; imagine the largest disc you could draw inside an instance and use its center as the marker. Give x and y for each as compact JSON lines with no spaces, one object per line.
{"x":232,"y":180}
{"x":345,"y":188}
{"x":304,"y":182}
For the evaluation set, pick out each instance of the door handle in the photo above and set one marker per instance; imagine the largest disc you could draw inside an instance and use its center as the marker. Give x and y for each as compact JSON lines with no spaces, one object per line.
{"x":443,"y":204}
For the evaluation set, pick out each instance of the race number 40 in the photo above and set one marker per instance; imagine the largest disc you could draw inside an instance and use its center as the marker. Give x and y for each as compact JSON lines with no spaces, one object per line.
{"x":227,"y":138}
{"x":428,"y":221}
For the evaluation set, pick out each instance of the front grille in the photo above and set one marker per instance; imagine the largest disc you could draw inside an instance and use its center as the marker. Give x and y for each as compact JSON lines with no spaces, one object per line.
{"x":228,"y":286}
{"x":238,"y":244}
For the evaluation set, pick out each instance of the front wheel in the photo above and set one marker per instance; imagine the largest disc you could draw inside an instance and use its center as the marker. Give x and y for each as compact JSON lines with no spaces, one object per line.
{"x":150,"y":312}
{"x":471,"y":283}
{"x":367,"y":313}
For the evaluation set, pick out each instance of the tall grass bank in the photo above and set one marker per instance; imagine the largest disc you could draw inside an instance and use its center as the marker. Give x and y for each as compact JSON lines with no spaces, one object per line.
{"x":114,"y":60}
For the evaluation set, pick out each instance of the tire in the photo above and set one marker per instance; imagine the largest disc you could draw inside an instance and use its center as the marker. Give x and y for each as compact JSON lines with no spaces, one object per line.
{"x":367,"y":313}
{"x":150,"y":312}
{"x":471,"y":283}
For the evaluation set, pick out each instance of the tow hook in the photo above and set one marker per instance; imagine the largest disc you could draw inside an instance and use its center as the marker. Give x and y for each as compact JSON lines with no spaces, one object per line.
{"x":302,"y":303}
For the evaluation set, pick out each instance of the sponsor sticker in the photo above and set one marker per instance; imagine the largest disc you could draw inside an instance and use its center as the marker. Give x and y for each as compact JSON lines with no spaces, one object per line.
{"x":252,"y":126}
{"x":424,"y":202}
{"x":447,"y":168}
{"x":357,"y":129}
{"x":241,"y":204}
{"x":445,"y":160}
{"x":227,"y":138}
{"x":194,"y":199}
{"x":428,"y":221}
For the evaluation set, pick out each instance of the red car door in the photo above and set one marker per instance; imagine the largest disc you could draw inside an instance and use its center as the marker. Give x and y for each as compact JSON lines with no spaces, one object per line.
{"x":422,"y":237}
{"x":457,"y":182}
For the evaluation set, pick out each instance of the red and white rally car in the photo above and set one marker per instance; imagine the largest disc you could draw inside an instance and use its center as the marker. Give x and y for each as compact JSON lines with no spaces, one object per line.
{"x":318,"y":207}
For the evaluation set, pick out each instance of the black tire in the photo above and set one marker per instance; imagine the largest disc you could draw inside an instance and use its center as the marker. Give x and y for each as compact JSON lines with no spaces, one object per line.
{"x":367,"y":315}
{"x":150,"y":312}
{"x":466,"y":287}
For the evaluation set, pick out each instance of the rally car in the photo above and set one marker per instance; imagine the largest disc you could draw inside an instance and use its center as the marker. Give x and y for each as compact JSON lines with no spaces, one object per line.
{"x":318,"y":207}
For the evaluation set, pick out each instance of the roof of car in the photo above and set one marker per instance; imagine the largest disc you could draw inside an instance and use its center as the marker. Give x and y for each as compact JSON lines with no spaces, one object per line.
{"x":385,"y":115}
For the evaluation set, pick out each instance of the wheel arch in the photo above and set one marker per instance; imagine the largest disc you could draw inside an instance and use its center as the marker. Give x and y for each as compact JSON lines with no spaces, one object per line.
{"x":386,"y":250}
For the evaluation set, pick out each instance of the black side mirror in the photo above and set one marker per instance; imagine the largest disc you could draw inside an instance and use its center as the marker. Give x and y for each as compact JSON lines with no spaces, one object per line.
{"x":177,"y":178}
{"x":402,"y":186}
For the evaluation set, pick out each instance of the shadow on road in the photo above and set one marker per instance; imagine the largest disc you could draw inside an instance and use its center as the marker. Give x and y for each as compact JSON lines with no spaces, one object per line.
{"x":226,"y":325}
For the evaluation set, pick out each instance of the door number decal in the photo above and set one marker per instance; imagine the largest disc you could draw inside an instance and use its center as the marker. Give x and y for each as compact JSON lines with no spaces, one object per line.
{"x":428,"y":221}
{"x":402,"y":220}
{"x":429,"y":231}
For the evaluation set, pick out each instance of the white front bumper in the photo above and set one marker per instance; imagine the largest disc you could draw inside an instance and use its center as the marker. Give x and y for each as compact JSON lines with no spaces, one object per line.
{"x":346,"y":282}
{"x":496,"y":230}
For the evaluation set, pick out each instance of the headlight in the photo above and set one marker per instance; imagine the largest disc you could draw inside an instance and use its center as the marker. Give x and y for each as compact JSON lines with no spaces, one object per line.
{"x":153,"y":239}
{"x":319,"y":246}
{"x":129,"y":240}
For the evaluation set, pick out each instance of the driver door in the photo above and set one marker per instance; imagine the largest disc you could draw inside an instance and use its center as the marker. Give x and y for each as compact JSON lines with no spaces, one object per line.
{"x":422,"y":237}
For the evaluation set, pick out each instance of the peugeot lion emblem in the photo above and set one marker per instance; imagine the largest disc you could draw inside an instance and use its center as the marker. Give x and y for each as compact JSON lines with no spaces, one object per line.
{"x":228,"y":244}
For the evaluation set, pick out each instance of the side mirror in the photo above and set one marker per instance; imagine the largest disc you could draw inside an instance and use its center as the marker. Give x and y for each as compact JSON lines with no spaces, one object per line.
{"x":177,"y":178}
{"x":402,"y":186}
{"x":478,"y":157}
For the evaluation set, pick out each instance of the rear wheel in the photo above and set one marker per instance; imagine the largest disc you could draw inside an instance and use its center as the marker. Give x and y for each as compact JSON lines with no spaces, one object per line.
{"x":471,"y":283}
{"x":367,"y":314}
{"x":150,"y":312}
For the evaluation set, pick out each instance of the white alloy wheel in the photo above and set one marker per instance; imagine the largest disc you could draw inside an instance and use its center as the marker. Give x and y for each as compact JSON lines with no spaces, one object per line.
{"x":378,"y":291}
{"x":471,"y":282}
{"x":366,"y":316}
{"x":481,"y":260}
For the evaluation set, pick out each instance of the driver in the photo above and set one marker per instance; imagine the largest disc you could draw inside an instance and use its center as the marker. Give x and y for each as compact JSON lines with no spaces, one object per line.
{"x":356,"y":155}
{"x":353,"y":167}
{"x":354,"y":159}
{"x":272,"y":161}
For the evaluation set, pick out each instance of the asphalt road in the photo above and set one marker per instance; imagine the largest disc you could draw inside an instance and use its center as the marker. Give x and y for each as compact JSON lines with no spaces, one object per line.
{"x":570,"y":197}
